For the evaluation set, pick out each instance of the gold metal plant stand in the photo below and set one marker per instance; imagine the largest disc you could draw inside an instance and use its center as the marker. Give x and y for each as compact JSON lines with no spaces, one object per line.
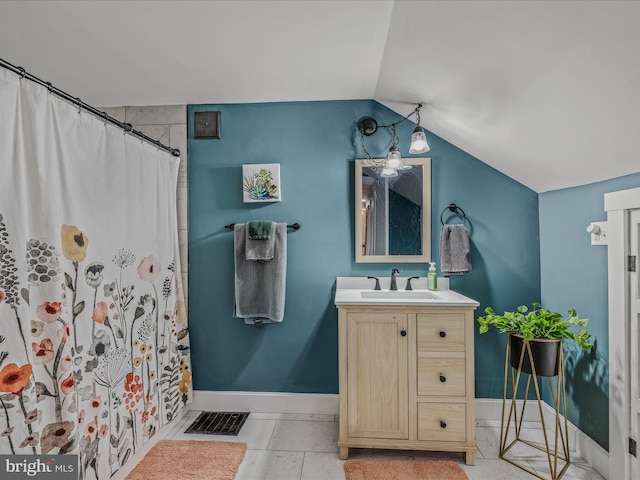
{"x":557,"y":453}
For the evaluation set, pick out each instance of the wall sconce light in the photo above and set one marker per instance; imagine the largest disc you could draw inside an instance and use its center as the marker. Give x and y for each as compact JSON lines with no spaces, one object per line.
{"x":389,"y":166}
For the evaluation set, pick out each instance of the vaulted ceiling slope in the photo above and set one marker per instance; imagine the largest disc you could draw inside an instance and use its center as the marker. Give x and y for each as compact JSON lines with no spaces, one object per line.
{"x":548,"y":92}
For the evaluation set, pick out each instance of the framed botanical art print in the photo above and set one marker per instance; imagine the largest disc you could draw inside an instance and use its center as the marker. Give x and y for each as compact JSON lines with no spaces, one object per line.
{"x":261,"y":183}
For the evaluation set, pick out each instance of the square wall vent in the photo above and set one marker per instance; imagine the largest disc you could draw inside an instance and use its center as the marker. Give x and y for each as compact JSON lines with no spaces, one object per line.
{"x":206,"y":125}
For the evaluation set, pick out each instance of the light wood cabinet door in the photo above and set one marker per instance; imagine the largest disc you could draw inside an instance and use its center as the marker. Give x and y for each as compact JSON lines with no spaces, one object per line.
{"x":377,"y":385}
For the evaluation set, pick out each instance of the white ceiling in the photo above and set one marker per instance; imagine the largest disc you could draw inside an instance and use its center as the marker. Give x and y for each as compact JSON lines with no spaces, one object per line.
{"x":548,"y":92}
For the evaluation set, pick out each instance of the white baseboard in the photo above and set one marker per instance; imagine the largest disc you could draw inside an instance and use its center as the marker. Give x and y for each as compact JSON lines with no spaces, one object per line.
{"x":593,"y":453}
{"x":266,"y":402}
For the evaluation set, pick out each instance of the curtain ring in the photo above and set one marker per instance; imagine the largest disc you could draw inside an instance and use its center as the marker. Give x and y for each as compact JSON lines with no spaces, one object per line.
{"x":49,"y":86}
{"x":23,"y":72}
{"x":79,"y":105}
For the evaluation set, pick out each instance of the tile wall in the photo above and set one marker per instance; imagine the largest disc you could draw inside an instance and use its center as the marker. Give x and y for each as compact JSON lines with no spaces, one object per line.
{"x":168,"y":125}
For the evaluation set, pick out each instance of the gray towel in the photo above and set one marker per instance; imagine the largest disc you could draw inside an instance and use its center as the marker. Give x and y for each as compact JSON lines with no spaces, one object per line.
{"x":455,"y":253}
{"x":260,"y":285}
{"x":259,"y":249}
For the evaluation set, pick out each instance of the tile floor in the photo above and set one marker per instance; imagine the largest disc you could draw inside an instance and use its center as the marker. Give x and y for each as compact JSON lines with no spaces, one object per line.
{"x":304,"y":447}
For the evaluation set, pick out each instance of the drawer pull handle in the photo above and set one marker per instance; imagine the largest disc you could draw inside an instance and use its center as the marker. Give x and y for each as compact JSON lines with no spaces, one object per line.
{"x":443,"y":334}
{"x":443,"y":378}
{"x":403,"y":333}
{"x":443,"y":424}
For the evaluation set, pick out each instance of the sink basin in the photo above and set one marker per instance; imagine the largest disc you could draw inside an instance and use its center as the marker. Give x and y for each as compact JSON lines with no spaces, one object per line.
{"x":416,"y":294}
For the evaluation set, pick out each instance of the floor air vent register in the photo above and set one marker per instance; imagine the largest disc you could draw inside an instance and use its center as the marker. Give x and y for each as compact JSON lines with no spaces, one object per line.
{"x":218,"y":423}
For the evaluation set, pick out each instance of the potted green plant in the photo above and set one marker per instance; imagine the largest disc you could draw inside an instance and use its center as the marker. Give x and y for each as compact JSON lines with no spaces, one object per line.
{"x":543,"y":329}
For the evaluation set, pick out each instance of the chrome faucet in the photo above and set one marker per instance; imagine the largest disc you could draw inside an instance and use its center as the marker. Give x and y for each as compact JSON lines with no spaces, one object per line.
{"x":394,"y":273}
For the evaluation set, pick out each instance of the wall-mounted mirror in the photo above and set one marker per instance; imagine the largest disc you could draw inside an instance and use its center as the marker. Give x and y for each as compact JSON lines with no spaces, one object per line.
{"x":393,"y":214}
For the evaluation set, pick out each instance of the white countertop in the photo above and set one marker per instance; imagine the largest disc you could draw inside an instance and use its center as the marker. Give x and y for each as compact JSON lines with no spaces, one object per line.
{"x":349,"y":292}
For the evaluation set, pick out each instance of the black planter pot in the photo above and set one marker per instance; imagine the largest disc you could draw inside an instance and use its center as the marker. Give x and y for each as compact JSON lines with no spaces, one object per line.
{"x":545,"y":355}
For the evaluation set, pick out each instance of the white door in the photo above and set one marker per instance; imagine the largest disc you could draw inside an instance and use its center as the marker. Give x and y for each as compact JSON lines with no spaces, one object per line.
{"x":634,"y":339}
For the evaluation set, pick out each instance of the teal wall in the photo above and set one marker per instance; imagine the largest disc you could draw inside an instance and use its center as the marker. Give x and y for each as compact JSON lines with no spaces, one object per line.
{"x":574,"y":275}
{"x":315,"y":144}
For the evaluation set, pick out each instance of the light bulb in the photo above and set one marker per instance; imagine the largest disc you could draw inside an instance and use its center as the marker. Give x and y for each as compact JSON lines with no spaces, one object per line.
{"x":418,"y":142}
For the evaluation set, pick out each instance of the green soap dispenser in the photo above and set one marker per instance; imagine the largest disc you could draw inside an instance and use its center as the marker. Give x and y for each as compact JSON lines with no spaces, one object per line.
{"x":432,"y":277}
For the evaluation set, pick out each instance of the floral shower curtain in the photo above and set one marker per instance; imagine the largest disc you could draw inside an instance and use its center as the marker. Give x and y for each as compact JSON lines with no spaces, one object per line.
{"x":94,"y":346}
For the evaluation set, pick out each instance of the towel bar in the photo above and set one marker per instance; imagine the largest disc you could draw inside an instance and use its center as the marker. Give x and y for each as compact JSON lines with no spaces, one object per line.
{"x":295,"y":226}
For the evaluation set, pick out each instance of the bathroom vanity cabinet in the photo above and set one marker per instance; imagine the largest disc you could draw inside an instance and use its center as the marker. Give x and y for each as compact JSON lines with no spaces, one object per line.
{"x":407,"y":377}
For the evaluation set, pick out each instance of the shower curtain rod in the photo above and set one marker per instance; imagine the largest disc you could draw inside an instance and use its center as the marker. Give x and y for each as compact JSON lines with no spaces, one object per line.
{"x":127,"y":127}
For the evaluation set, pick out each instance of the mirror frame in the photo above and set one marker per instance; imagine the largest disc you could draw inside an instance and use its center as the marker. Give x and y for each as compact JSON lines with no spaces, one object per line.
{"x":426,"y":216}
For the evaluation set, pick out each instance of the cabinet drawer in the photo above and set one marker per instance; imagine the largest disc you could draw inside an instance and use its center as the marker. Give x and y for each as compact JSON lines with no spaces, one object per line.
{"x":443,"y":422}
{"x":443,"y":331}
{"x":441,"y":376}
